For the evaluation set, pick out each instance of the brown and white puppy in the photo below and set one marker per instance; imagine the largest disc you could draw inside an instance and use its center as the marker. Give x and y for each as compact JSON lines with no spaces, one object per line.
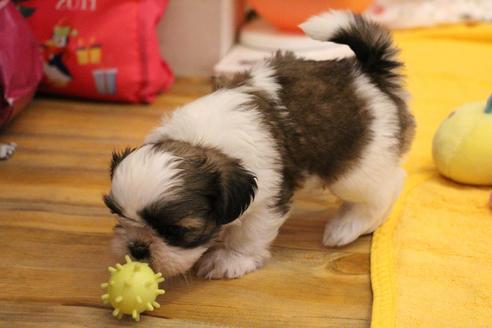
{"x":228,"y":164}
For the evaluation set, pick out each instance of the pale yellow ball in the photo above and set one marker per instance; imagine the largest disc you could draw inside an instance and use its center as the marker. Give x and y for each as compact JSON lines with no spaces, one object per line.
{"x":462,"y":146}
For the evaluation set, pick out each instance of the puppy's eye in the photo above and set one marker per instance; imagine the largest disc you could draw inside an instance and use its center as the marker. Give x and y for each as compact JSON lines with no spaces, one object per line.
{"x":173,"y":231}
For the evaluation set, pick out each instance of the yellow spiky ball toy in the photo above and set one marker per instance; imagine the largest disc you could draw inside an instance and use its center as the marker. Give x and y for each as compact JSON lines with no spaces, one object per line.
{"x":132,"y":289}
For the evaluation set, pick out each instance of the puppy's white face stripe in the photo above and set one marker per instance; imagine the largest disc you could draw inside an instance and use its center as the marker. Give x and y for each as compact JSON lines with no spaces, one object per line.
{"x":143,"y":177}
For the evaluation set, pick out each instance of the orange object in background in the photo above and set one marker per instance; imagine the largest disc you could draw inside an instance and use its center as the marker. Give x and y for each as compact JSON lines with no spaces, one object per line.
{"x":287,"y":14}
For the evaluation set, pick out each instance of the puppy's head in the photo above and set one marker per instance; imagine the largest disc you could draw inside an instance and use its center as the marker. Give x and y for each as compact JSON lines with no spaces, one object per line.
{"x":171,"y":199}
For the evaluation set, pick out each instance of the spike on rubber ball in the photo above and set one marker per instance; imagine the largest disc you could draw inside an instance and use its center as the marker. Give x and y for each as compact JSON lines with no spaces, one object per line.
{"x":132,"y":289}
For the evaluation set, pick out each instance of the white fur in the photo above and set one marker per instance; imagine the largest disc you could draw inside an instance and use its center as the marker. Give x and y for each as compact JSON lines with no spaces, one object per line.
{"x":369,"y":189}
{"x":246,"y":245}
{"x":221,"y":120}
{"x":135,"y":188}
{"x":263,"y":79}
{"x":324,"y":26}
{"x":227,"y":263}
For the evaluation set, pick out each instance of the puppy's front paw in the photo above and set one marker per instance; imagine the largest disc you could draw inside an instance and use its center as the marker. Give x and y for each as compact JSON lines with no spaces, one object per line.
{"x":224,"y":263}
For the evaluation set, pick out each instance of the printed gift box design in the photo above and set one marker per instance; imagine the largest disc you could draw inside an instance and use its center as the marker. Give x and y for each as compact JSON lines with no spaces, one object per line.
{"x":105,"y":80}
{"x":88,"y":54}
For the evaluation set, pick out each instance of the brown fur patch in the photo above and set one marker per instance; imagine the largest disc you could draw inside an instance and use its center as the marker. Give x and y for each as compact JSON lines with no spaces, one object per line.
{"x":191,"y":223}
{"x":320,"y":124}
{"x":216,"y":189}
{"x":331,"y":122}
{"x":233,"y":81}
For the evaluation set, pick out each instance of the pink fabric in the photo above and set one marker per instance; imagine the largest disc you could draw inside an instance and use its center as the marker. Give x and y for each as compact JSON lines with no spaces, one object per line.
{"x":20,"y":62}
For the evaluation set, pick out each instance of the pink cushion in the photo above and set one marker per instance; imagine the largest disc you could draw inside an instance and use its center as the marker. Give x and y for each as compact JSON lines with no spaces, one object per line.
{"x":101,"y":49}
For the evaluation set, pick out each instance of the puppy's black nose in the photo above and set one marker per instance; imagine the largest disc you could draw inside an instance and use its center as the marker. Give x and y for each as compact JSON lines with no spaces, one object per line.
{"x":139,"y":250}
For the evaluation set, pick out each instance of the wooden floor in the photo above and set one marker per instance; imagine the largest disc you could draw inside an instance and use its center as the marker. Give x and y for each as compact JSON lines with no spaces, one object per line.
{"x":55,"y":234}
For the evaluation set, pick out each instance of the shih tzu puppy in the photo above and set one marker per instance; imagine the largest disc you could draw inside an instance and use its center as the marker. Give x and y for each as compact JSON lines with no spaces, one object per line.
{"x":225,"y":166}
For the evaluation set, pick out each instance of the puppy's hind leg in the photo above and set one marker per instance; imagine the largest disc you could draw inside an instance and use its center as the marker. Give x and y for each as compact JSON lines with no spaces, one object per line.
{"x":368,"y":198}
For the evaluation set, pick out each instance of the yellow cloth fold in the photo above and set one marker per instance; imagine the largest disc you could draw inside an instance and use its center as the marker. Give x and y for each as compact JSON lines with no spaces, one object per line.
{"x":431,"y":262}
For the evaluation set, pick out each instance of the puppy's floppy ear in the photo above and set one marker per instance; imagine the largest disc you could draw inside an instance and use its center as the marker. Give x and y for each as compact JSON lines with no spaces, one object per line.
{"x":117,"y":157}
{"x":236,"y":190}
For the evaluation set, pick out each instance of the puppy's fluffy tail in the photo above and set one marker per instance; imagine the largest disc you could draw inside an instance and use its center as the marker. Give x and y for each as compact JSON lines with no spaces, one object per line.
{"x":370,"y":42}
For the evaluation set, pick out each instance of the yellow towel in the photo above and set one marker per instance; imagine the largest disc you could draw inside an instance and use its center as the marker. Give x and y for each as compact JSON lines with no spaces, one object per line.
{"x":431,"y":262}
